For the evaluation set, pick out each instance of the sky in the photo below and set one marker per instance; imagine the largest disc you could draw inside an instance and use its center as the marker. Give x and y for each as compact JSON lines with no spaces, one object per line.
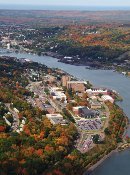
{"x":69,"y":2}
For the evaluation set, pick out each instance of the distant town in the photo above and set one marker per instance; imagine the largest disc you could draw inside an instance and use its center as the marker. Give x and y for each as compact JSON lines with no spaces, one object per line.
{"x":95,"y":45}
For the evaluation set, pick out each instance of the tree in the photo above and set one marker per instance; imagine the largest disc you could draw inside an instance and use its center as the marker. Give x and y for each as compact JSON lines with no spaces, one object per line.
{"x":96,"y":139}
{"x":107,"y":131}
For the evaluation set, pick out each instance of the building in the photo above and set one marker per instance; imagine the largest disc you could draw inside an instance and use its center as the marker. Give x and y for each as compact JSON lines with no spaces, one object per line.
{"x":128,"y":73}
{"x":50,"y":78}
{"x":56,"y":119}
{"x":78,"y":86}
{"x":93,"y":98}
{"x":85,"y":112}
{"x":95,"y":105}
{"x":8,"y":46}
{"x":65,"y":79}
{"x":57,"y":93}
{"x":96,"y":91}
{"x":16,"y":110}
{"x":51,"y":110}
{"x":107,"y":98}
{"x":76,"y":109}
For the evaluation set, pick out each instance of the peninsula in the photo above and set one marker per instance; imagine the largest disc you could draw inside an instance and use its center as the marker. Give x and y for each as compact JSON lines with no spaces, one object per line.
{"x":51,"y":122}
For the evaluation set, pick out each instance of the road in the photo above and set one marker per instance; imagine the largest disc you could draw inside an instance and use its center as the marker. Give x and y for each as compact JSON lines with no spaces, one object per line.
{"x":15,"y":117}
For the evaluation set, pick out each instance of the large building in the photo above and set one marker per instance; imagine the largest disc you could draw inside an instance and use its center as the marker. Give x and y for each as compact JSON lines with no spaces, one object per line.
{"x":65,"y":79}
{"x":78,"y":86}
{"x":88,"y":113}
{"x":56,"y":119}
{"x":107,"y":98}
{"x":58,"y":93}
{"x":85,"y":112}
{"x":96,"y":91}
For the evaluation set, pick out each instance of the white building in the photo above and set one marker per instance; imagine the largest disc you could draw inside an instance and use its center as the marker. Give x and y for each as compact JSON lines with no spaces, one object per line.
{"x":107,"y":98}
{"x":16,"y":110}
{"x":96,"y":91}
{"x":8,"y":46}
{"x":58,"y":93}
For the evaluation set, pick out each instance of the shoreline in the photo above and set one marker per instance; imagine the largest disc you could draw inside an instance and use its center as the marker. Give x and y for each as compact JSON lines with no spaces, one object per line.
{"x":93,"y":167}
{"x":96,"y":165}
{"x":61,"y":59}
{"x":117,"y":150}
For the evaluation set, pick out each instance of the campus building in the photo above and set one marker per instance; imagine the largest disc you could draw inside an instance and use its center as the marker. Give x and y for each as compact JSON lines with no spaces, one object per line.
{"x":56,"y":119}
{"x":78,"y":86}
{"x":65,"y":79}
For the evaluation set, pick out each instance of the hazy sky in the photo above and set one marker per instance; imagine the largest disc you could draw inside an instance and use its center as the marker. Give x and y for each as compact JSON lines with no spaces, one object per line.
{"x":70,"y":2}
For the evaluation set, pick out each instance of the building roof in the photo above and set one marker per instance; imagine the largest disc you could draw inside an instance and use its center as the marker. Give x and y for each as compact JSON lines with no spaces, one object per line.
{"x":86,"y":112}
{"x":56,"y":119}
{"x":77,"y":82}
{"x":107,"y":97}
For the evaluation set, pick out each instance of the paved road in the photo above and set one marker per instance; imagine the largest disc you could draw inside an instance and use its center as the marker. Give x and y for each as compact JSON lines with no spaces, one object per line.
{"x":15,"y":117}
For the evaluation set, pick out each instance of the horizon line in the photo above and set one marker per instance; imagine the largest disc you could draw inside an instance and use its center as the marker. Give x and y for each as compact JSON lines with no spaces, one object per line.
{"x":67,"y":5}
{"x":56,"y":7}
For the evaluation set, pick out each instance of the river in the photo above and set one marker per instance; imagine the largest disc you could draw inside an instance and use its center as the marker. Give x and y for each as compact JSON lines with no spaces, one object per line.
{"x":118,"y":163}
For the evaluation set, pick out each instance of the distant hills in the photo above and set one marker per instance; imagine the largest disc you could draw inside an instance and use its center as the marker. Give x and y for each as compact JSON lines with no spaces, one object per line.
{"x":64,"y":17}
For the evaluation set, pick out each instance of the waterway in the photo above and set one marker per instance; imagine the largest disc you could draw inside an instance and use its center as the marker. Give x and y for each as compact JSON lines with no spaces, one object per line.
{"x":118,"y":163}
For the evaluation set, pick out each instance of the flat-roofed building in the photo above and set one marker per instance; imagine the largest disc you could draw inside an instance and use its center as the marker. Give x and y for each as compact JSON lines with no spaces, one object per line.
{"x":95,"y":105}
{"x":78,"y":86}
{"x":85,"y":112}
{"x":96,"y":91}
{"x":107,"y":98}
{"x":65,"y":79}
{"x":58,"y":93}
{"x":76,"y":109}
{"x":49,"y":78}
{"x":56,"y":119}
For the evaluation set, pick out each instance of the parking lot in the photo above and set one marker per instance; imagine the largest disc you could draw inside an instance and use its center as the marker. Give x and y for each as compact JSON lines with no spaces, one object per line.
{"x":89,"y":124}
